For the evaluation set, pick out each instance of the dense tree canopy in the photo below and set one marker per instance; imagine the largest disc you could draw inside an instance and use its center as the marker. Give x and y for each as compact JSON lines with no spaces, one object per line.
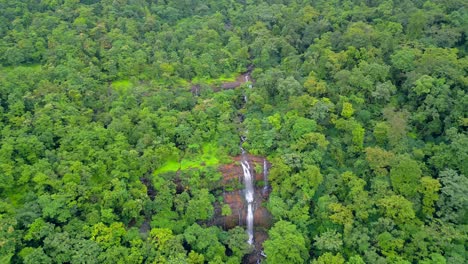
{"x":113,"y":125}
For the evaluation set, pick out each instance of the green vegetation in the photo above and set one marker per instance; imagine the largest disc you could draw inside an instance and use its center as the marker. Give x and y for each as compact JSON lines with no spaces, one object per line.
{"x":216,"y":81}
{"x":173,"y":165}
{"x":121,"y":86}
{"x":113,"y":127}
{"x":209,"y":157}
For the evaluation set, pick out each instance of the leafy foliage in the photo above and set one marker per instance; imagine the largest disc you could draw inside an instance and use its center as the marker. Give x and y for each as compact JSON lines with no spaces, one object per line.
{"x":113,"y":123}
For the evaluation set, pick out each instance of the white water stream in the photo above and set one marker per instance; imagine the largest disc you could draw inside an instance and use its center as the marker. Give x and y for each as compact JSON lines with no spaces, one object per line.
{"x":249,"y":190}
{"x":249,"y":196}
{"x":265,"y":176}
{"x":246,"y":78}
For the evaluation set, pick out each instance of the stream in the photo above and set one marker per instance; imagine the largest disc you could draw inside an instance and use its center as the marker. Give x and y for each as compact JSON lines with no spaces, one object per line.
{"x":265,"y":177}
{"x":249,"y":196}
{"x":249,"y":191}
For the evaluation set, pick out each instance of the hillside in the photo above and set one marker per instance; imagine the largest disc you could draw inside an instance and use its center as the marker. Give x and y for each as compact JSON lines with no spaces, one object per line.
{"x":233,"y":131}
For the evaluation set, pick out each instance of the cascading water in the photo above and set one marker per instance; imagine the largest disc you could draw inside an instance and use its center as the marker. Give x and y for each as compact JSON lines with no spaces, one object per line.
{"x":249,"y":191}
{"x":249,"y":196}
{"x":246,"y":78}
{"x":265,"y":176}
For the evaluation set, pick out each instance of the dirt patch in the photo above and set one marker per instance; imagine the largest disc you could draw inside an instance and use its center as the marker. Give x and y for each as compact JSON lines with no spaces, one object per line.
{"x":241,"y":79}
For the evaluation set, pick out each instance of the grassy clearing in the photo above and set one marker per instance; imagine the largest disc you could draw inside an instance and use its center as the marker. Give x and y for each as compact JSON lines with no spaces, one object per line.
{"x":170,"y":165}
{"x":212,"y":81}
{"x":121,"y":86}
{"x":174,"y":82}
{"x":208,"y":157}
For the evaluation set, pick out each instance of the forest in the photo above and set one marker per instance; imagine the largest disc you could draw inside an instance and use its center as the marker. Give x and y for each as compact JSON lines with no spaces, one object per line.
{"x":119,"y":120}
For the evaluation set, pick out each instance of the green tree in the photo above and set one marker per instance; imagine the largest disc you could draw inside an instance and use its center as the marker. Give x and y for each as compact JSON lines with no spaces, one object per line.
{"x":329,"y":241}
{"x":236,"y":241}
{"x":329,"y":258}
{"x":200,"y":207}
{"x":285,"y":244}
{"x":347,"y":110}
{"x":205,"y":241}
{"x":405,"y":176}
{"x":453,"y":201}
{"x":429,"y":189}
{"x":35,"y":255}
{"x":389,"y":245}
{"x":397,"y":208}
{"x":416,"y":24}
{"x":379,"y":160}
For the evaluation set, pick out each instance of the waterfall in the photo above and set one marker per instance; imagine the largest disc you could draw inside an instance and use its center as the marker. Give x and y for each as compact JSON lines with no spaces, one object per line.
{"x":265,"y":176}
{"x":246,"y":78}
{"x":249,"y":196}
{"x":249,"y":190}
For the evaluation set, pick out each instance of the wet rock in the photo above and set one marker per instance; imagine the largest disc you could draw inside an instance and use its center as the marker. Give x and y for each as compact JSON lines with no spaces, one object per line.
{"x":256,"y":255}
{"x":233,"y":195}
